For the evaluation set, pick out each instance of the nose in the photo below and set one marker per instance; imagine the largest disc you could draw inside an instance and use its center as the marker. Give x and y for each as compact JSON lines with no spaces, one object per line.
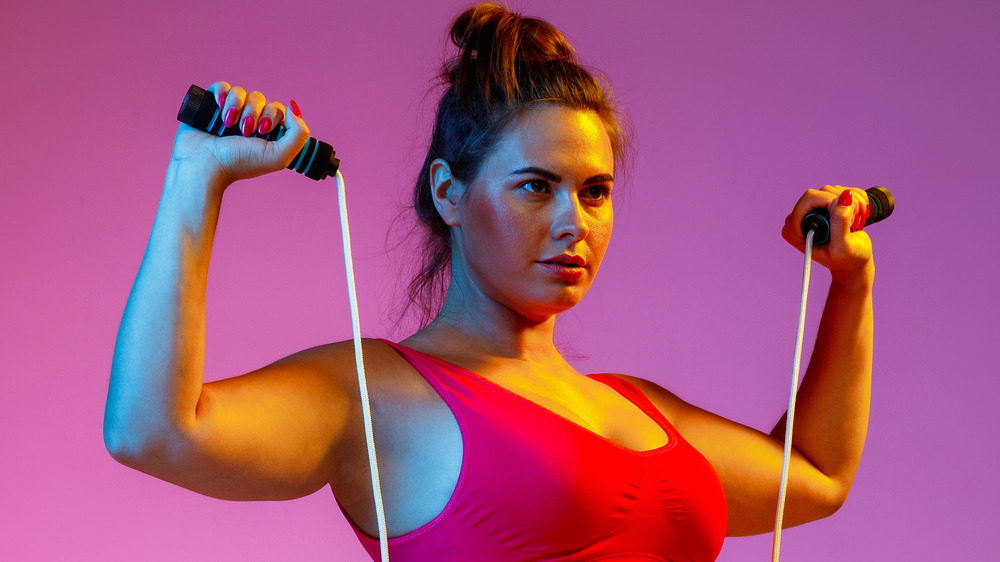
{"x":569,"y":221}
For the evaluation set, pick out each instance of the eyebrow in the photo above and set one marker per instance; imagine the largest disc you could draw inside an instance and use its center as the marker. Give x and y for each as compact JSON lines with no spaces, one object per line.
{"x":551,"y":176}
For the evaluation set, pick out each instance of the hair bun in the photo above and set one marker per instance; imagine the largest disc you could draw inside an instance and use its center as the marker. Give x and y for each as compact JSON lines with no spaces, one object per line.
{"x":493,"y":29}
{"x":496,"y":45}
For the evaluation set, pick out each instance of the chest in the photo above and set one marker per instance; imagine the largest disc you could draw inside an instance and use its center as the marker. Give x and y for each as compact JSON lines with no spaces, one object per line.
{"x":422,"y":442}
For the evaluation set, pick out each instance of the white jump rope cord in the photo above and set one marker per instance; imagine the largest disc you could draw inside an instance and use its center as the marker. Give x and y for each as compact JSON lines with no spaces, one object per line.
{"x":776,"y":545}
{"x":362,"y":382}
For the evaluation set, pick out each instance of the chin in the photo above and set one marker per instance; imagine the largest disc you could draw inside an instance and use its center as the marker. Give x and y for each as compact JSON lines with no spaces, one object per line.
{"x":541,"y":311}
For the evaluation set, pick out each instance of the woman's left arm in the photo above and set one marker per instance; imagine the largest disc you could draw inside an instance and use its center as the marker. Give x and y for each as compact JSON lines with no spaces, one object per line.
{"x":833,"y":402}
{"x":831,"y":415}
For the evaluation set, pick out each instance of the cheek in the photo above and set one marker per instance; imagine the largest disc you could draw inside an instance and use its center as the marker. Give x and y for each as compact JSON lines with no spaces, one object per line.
{"x":483,"y":232}
{"x":600,"y":236}
{"x":497,"y":228}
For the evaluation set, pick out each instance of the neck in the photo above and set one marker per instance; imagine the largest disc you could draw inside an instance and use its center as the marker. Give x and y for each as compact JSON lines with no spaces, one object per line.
{"x":473,"y":326}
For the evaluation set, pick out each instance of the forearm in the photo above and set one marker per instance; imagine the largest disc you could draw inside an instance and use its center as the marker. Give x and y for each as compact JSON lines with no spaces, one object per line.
{"x":158,"y":365}
{"x":831,"y":416}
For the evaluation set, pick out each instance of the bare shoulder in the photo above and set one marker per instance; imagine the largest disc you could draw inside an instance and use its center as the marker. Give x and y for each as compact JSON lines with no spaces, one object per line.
{"x":335,"y":363}
{"x":658,"y":395}
{"x":669,"y":404}
{"x":331,"y":370}
{"x":330,"y":357}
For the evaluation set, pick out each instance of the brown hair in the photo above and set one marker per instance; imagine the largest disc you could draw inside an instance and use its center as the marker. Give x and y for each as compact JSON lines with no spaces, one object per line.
{"x":506,"y":64}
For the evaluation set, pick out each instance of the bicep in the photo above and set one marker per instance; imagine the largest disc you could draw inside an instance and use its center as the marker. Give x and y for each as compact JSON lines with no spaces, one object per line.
{"x":748,"y":463}
{"x":275,"y":433}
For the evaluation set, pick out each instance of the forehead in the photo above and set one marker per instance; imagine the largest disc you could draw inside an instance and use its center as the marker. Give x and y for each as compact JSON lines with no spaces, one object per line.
{"x":557,"y":138}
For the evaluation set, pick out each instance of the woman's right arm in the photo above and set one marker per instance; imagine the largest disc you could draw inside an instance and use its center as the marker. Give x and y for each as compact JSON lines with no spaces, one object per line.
{"x":270,"y":434}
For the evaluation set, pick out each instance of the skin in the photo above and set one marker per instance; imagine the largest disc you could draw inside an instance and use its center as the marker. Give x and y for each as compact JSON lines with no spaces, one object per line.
{"x":295,"y":426}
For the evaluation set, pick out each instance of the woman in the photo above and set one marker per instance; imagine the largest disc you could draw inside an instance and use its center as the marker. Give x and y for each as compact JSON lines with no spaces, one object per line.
{"x":491,"y":445}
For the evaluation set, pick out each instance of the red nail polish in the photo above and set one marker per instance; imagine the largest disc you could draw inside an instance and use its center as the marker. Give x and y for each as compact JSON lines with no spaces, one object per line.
{"x":222,"y":99}
{"x":846,"y":198}
{"x":868,"y":210}
{"x":295,"y":109}
{"x":246,"y":127}
{"x":265,"y":126}
{"x":231,"y":117}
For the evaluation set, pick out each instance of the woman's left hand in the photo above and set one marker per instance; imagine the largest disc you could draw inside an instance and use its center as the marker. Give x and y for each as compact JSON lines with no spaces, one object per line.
{"x":848,"y":255}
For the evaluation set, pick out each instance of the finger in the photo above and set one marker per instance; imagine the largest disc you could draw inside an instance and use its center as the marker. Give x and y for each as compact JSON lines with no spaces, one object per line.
{"x":861,"y":207}
{"x":271,"y":117}
{"x":859,"y":200}
{"x":295,"y":137}
{"x":842,"y":216}
{"x":789,"y":233}
{"x":856,"y":223}
{"x":861,"y":196}
{"x":234,"y":105}
{"x":219,"y":90}
{"x":252,"y":108}
{"x":812,"y":199}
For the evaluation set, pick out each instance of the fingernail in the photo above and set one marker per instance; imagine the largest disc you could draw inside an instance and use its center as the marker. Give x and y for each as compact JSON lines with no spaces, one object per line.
{"x":246,"y":127}
{"x":222,"y":99}
{"x":231,"y":117}
{"x":868,"y":210}
{"x":265,"y":126}
{"x":857,"y":222}
{"x":295,"y":109}
{"x":846,"y":198}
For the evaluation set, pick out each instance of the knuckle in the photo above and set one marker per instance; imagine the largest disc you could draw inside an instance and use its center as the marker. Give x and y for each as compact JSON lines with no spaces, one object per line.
{"x":275,"y":109}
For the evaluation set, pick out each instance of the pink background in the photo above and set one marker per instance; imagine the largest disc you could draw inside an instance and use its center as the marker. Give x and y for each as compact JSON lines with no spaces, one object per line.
{"x":738,"y":107}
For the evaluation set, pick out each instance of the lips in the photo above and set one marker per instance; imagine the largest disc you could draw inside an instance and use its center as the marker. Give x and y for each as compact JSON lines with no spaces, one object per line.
{"x":566,"y":260}
{"x":568,"y":268}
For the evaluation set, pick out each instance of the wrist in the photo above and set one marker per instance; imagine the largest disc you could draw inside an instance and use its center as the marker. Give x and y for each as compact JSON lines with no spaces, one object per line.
{"x":193,"y":187}
{"x":854,"y":281}
{"x":190,"y":176}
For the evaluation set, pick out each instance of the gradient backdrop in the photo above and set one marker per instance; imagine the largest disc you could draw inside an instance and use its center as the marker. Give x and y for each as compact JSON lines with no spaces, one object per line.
{"x":737,"y":107}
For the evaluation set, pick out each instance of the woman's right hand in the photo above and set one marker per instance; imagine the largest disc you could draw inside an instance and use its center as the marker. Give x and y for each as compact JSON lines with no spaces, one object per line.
{"x":232,"y":158}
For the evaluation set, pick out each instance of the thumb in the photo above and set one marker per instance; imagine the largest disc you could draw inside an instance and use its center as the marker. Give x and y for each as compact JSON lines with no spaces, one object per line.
{"x":295,"y":137}
{"x":841,"y":219}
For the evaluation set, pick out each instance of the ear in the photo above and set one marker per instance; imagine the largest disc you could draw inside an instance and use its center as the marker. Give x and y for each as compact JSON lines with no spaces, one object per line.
{"x":446,"y":192}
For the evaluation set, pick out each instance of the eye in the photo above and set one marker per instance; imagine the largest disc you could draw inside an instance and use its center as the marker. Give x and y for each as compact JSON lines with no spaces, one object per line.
{"x":535,"y":186}
{"x":596,"y":192}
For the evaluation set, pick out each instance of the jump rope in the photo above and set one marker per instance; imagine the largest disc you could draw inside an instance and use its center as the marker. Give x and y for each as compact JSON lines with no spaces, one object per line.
{"x":317,"y":160}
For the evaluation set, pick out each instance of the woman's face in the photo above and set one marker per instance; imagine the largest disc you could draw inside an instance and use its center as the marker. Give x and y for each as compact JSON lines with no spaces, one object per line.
{"x":534,"y":225}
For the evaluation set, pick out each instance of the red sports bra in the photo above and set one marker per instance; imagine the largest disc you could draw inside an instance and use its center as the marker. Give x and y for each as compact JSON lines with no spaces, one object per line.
{"x":536,"y":486}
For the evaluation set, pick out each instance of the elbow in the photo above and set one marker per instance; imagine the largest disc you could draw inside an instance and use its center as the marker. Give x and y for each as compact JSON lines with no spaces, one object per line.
{"x":135,"y":444}
{"x":832,"y":501}
{"x":123,"y":442}
{"x":838,"y":500}
{"x":823,"y":499}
